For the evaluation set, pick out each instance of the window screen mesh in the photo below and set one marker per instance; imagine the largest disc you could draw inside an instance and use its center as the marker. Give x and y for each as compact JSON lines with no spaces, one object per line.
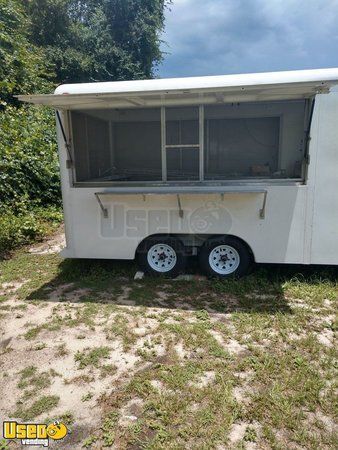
{"x":183,"y":164}
{"x":242,"y":147}
{"x":137,"y":150}
{"x":182,"y":128}
{"x":91,"y":146}
{"x":117,"y":145}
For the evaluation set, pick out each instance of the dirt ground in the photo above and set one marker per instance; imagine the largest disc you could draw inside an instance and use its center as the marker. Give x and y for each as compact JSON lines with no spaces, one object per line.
{"x":165,"y":364}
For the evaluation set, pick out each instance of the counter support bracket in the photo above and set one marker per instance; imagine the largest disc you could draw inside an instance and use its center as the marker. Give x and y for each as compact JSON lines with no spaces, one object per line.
{"x":262,"y":210}
{"x":103,"y":208}
{"x":180,"y":210}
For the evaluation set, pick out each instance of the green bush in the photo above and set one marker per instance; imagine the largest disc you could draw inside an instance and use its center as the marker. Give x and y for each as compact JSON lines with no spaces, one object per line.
{"x":28,"y":226}
{"x":29,"y":172}
{"x":30,"y":198}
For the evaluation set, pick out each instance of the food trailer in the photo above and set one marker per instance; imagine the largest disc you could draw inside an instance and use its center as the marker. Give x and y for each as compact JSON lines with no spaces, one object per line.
{"x":233,"y":169}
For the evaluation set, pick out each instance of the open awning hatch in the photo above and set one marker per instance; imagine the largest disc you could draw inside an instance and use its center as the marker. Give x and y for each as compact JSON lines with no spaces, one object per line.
{"x":188,"y":91}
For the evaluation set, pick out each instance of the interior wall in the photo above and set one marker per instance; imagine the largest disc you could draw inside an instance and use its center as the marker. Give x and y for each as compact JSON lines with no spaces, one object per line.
{"x":91,"y":146}
{"x":182,"y":164}
{"x":137,"y":149}
{"x":117,"y":144}
{"x":291,"y":132}
{"x":98,"y":147}
{"x":234,"y":147}
{"x":182,"y":132}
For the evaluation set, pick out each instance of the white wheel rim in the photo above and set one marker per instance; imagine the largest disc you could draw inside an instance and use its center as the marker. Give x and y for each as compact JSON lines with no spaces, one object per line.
{"x":161,"y":257}
{"x":224,"y":259}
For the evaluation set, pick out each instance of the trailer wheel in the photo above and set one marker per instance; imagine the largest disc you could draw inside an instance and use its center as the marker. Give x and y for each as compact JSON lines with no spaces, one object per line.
{"x":162,"y":256}
{"x":224,"y":257}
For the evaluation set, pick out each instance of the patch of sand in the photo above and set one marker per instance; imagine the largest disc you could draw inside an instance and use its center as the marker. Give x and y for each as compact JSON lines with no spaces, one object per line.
{"x":52,"y":245}
{"x":182,"y":353}
{"x":12,"y":287}
{"x":206,"y":379}
{"x":237,"y":432}
{"x":157,"y":384}
{"x":326,"y":338}
{"x":232,"y":345}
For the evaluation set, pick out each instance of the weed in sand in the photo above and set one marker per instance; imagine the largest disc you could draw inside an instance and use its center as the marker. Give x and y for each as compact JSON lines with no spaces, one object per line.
{"x":91,"y":357}
{"x":107,"y":370}
{"x":67,"y":418}
{"x":61,"y":350}
{"x":27,"y":372}
{"x":42,"y":405}
{"x":39,"y":346}
{"x":29,"y":377}
{"x":87,"y":443}
{"x":87,"y":397}
{"x":109,"y":424}
{"x":121,"y":328}
{"x":250,"y":434}
{"x":33,"y":332}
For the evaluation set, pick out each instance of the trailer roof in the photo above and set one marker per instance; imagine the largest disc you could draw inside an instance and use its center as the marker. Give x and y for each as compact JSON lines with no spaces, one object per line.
{"x":191,"y":90}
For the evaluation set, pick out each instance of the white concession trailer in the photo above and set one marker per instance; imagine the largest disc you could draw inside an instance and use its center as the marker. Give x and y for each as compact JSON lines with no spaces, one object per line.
{"x":234,"y":169}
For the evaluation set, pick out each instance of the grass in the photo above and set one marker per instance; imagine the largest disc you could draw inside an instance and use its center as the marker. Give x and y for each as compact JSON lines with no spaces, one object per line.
{"x":35,"y":380}
{"x":30,"y":383}
{"x":91,"y":357}
{"x":67,"y":418}
{"x":43,"y":405}
{"x":4,"y":444}
{"x":61,"y":350}
{"x":87,"y":397}
{"x":120,"y":328}
{"x":257,"y":353}
{"x":107,"y":369}
{"x":84,"y":316}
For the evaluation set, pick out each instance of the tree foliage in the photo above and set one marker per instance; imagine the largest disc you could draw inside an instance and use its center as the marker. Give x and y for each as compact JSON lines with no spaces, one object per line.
{"x":95,"y":40}
{"x":23,"y":67}
{"x":59,"y":41}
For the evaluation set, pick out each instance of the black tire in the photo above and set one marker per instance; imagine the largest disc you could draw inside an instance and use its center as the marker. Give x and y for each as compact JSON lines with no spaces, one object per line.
{"x":235,"y":251}
{"x":148,"y":248}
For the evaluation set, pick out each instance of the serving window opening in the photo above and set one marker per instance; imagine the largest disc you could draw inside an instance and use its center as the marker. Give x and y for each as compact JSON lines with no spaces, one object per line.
{"x":192,"y":144}
{"x":182,"y":144}
{"x":117,"y":145}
